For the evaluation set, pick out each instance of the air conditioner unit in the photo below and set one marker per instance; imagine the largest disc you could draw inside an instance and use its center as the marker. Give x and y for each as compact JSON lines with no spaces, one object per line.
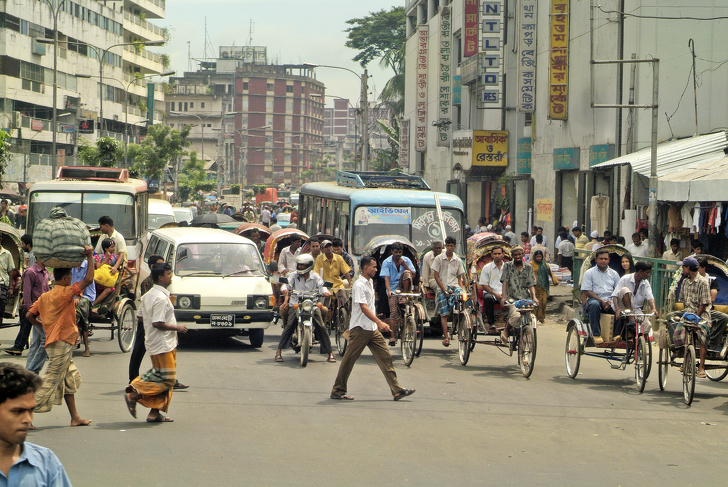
{"x":225,"y":54}
{"x":16,"y":120}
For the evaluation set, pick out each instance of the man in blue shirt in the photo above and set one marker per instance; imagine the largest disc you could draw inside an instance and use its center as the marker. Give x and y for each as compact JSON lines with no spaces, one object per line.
{"x":598,"y":285}
{"x":23,"y":463}
{"x":83,"y":306}
{"x":397,"y":272}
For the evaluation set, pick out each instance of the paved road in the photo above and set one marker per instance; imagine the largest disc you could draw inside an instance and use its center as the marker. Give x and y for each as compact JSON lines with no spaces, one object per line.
{"x":249,"y":421}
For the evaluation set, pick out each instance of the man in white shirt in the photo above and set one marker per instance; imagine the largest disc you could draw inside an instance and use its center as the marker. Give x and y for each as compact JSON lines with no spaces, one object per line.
{"x":449,"y":271}
{"x":106,"y":224}
{"x":631,"y":292}
{"x":545,"y":243}
{"x":598,"y":284}
{"x":365,"y":331}
{"x":153,"y":389}
{"x":287,"y":257}
{"x":265,"y":216}
{"x":566,"y":252}
{"x":490,"y":283}
{"x":509,"y":233}
{"x":637,"y":248}
{"x":428,"y":278}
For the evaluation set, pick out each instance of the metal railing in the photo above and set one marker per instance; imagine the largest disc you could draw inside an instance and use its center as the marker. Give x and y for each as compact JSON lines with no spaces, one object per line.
{"x":154,"y":57}
{"x":135,"y":19}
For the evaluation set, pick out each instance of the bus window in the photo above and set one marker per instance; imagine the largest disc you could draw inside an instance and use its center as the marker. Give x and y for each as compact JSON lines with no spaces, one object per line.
{"x":43,"y":203}
{"x":372,"y":221}
{"x":344,"y":229}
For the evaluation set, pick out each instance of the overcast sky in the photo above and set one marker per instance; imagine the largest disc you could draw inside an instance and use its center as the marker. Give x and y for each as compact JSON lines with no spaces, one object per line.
{"x":294,"y":31}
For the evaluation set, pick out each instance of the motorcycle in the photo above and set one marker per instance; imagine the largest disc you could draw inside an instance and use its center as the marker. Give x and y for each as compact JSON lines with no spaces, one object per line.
{"x":308,"y":302}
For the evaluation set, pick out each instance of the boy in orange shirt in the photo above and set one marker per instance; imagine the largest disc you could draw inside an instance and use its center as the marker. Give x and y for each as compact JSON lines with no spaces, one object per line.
{"x":57,"y":312}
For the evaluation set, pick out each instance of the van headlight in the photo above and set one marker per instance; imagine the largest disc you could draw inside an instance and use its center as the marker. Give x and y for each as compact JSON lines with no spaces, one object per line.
{"x":307,"y":306}
{"x":261,"y":302}
{"x":184,"y":302}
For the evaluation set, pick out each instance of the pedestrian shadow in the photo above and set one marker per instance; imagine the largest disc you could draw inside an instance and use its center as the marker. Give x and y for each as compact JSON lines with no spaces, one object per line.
{"x":205,"y":342}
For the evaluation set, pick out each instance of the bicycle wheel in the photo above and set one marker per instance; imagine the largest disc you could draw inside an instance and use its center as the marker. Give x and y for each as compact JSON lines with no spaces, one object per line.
{"x":689,"y":372}
{"x":649,"y":358}
{"x":526,"y":351}
{"x":716,"y":375}
{"x":420,"y":333}
{"x":342,"y":324}
{"x":465,"y":337}
{"x":663,"y":364}
{"x":305,"y":343}
{"x":573,"y":352}
{"x":640,"y":363}
{"x":407,"y":340}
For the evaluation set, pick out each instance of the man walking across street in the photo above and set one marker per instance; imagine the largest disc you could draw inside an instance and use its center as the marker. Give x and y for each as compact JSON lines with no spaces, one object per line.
{"x":519,"y":282}
{"x":365,"y":331}
{"x":154,"y":388}
{"x":57,"y":312}
{"x":265,"y":216}
{"x":35,"y":283}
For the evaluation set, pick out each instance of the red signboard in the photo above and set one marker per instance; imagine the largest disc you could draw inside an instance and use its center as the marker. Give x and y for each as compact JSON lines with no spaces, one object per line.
{"x":36,"y":125}
{"x":470,"y":28}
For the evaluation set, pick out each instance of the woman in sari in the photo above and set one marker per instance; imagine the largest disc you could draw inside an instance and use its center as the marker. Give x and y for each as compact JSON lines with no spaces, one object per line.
{"x":544,"y":277}
{"x":109,"y":257}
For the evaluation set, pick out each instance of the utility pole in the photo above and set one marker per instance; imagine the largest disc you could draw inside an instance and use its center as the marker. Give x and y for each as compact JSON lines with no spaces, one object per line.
{"x":364,"y":122}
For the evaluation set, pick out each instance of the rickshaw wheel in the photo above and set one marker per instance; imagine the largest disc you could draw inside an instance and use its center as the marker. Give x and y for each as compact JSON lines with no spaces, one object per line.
{"x":126,"y":326}
{"x":663,"y":365}
{"x":407,"y":342}
{"x":465,"y":337}
{"x":640,"y":364}
{"x":689,"y":373}
{"x":305,"y":334}
{"x":716,"y":375}
{"x":573,"y":352}
{"x":420,"y":333}
{"x":342,"y":324}
{"x":527,"y":350}
{"x":648,"y":349}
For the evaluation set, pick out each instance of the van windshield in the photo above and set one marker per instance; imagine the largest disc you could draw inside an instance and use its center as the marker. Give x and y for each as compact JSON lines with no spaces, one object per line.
{"x":219,"y":259}
{"x":87,"y":207}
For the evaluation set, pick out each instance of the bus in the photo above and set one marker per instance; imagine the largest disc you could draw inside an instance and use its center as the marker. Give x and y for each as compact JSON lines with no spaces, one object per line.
{"x":363,"y":205}
{"x":88,"y":193}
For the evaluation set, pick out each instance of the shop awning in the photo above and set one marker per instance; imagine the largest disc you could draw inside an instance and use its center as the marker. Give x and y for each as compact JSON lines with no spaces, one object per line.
{"x":674,"y":155}
{"x":706,"y":181}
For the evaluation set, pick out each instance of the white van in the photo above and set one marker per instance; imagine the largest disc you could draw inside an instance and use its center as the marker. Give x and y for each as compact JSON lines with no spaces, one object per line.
{"x":160,"y":213}
{"x":219,"y":281}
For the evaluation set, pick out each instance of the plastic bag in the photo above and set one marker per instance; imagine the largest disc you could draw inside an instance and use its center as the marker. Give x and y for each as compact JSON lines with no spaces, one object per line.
{"x":103,"y":276}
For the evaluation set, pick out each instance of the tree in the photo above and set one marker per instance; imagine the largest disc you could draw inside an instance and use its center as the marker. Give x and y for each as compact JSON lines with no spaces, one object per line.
{"x":5,"y":155}
{"x":107,"y":152}
{"x":387,"y":159}
{"x":193,"y":179}
{"x":161,"y":146}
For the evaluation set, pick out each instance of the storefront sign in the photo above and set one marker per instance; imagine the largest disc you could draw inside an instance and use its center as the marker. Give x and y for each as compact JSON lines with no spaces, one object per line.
{"x":527,"y":57}
{"x":470,"y":70}
{"x":524,"y":156}
{"x":566,"y":158}
{"x":68,"y":129}
{"x":382,"y":215}
{"x":600,"y":153}
{"x":545,"y":210}
{"x":491,"y":88}
{"x":36,"y":125}
{"x":490,"y":148}
{"x":86,"y":126}
{"x":470,"y":28}
{"x":444,"y":101}
{"x":404,"y":143}
{"x":559,"y":60}
{"x":456,"y":90}
{"x":421,"y":93}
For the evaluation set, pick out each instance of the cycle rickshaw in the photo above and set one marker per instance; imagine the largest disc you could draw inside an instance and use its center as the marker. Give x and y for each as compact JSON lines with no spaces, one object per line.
{"x":682,"y":353}
{"x":10,"y":240}
{"x":410,"y":329}
{"x":635,"y":345}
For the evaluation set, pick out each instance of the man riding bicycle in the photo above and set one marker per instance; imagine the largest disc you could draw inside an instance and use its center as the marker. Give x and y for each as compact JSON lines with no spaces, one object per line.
{"x":519,"y":282}
{"x":632,"y":291}
{"x":448,"y":271}
{"x":397,"y":272}
{"x":331,"y":267}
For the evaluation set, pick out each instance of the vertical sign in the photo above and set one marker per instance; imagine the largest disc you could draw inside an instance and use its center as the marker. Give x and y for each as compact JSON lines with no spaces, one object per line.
{"x":559,"y":60}
{"x":524,"y":155}
{"x":492,"y":47}
{"x":150,"y":103}
{"x":404,"y":143}
{"x":470,"y":28}
{"x":456,"y":90}
{"x":444,"y":98}
{"x":421,"y":94}
{"x":527,"y":57}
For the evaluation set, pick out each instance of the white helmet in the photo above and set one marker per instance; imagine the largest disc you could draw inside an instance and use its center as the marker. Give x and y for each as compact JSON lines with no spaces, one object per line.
{"x":304,"y":263}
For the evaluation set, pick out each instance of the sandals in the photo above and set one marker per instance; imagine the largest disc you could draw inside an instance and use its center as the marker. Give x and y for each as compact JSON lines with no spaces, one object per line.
{"x":278,"y":358}
{"x":331,"y":359}
{"x":341,"y":397}
{"x":393,"y":342}
{"x":160,"y":419}
{"x":403,"y":393}
{"x":130,"y":405}
{"x":701,"y":375}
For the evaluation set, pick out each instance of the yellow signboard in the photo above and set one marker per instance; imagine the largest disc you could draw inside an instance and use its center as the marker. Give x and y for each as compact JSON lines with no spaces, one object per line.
{"x":490,"y":148}
{"x":545,"y":210}
{"x":559,"y":60}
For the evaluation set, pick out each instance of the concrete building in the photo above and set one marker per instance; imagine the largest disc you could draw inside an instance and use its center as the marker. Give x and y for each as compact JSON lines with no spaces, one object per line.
{"x":88,"y":30}
{"x":263,"y":123}
{"x":524,"y":100}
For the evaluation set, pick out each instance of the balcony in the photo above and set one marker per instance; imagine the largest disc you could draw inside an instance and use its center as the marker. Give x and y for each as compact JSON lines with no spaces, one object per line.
{"x":142,"y":29}
{"x":149,"y":60}
{"x":154,"y":9}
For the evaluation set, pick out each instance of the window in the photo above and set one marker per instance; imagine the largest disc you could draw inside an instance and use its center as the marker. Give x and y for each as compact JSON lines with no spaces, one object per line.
{"x":289,"y":88}
{"x":202,"y":104}
{"x":185,"y":106}
{"x":269,"y":105}
{"x":192,"y":104}
{"x":289,"y":106}
{"x":269,"y":86}
{"x":245,"y":86}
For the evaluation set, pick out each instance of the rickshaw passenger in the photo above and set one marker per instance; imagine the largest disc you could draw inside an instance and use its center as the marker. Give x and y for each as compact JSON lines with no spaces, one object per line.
{"x":397,"y":272}
{"x":598,"y":285}
{"x":449,"y":274}
{"x":111,"y":258}
{"x":519,"y":282}
{"x":255,"y":237}
{"x":287,"y":258}
{"x":490,"y":283}
{"x":428,"y":278}
{"x":718,"y":320}
{"x":107,"y":228}
{"x":7,"y":268}
{"x":631,"y":292}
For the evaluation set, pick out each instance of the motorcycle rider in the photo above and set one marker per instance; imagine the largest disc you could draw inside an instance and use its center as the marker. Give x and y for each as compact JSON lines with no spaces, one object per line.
{"x":304,"y":279}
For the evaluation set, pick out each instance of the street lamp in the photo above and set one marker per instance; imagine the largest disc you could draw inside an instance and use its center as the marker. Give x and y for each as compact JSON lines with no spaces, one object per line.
{"x":364,"y":110}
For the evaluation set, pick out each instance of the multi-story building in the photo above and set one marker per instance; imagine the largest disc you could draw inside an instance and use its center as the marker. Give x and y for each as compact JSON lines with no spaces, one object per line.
{"x":92,"y":35}
{"x":265,"y":122}
{"x":499,"y":88}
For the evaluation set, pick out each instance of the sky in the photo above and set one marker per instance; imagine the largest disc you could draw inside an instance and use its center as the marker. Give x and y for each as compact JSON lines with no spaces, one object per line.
{"x":294,"y":31}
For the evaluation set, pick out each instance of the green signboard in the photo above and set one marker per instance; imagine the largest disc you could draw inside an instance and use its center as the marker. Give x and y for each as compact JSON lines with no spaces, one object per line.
{"x":566,"y":158}
{"x":524,"y":155}
{"x":600,"y":153}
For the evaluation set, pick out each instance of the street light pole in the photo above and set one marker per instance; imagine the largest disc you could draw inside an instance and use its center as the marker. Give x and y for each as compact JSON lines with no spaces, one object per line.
{"x":54,"y":155}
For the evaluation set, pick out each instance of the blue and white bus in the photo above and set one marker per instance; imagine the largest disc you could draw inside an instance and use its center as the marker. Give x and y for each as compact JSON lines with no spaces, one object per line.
{"x":363,"y":205}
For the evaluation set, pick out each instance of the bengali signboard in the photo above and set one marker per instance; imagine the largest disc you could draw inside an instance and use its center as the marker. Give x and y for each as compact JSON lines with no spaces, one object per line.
{"x":444,"y":92}
{"x":421,"y":93}
{"x":382,"y":215}
{"x":36,"y":125}
{"x":404,"y":143}
{"x":527,"y":57}
{"x":566,"y":159}
{"x":492,"y":46}
{"x":524,"y":156}
{"x":559,"y":60}
{"x":600,"y":153}
{"x":545,"y":210}
{"x":457,"y":89}
{"x":470,"y":28}
{"x":490,"y":148}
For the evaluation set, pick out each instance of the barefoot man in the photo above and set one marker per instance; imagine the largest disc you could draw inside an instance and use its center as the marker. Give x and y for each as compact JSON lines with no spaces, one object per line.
{"x":57,"y":312}
{"x":153,"y":389}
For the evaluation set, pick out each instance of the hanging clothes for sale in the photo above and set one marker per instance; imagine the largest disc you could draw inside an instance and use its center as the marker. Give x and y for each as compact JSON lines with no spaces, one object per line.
{"x":599,"y":213}
{"x":673,"y":215}
{"x":686,"y":215}
{"x":695,"y":226}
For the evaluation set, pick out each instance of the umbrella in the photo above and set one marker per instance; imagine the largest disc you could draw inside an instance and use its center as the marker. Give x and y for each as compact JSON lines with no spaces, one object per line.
{"x":212,"y":218}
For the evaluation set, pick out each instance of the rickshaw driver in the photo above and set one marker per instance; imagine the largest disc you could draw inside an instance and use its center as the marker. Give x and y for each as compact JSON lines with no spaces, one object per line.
{"x":397,"y":271}
{"x":519,"y":282}
{"x":718,"y":320}
{"x":449,"y":274}
{"x":490,"y":283}
{"x":631,"y":292}
{"x":428,"y":278}
{"x":331,"y":267}
{"x":598,"y":285}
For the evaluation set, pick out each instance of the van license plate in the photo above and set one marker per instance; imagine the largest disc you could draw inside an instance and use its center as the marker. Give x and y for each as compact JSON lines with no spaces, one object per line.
{"x":222,"y":320}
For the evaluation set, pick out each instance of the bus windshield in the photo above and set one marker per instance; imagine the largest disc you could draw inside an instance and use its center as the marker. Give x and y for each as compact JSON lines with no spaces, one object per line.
{"x":87,"y":207}
{"x":417,"y":224}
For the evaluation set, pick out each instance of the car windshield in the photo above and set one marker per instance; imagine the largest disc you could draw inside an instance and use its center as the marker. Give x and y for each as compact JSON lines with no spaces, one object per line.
{"x":219,"y":259}
{"x":88,"y":207}
{"x":417,"y":224}
{"x":156,"y":221}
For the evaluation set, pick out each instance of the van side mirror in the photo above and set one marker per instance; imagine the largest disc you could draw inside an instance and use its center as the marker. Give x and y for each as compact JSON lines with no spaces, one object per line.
{"x":273,"y":266}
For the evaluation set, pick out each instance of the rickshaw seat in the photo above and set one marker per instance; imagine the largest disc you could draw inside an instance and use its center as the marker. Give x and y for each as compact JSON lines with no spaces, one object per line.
{"x":723,"y":308}
{"x":496,"y":307}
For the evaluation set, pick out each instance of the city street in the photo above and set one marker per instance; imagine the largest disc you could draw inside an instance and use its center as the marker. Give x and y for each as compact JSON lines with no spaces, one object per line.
{"x":248,"y":420}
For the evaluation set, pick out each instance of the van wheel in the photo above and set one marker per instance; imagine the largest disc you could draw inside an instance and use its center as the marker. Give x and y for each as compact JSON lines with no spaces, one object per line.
{"x":256,"y":337}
